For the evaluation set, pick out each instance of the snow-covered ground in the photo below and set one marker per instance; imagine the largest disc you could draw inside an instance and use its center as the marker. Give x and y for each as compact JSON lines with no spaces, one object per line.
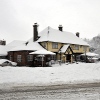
{"x":64,"y":74}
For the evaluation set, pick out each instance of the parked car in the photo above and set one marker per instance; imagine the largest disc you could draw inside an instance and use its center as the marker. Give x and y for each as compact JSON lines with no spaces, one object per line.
{"x":92,"y":59}
{"x":88,"y":59}
{"x":5,"y":62}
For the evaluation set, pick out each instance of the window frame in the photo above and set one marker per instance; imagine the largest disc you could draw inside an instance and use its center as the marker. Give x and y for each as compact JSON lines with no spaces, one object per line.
{"x":53,"y":57}
{"x":29,"y":58}
{"x":19,"y":58}
{"x":10,"y":57}
{"x":54,"y":45}
{"x":76,"y":47}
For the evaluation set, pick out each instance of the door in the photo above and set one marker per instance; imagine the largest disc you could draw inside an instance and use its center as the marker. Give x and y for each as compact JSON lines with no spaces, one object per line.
{"x":68,"y":58}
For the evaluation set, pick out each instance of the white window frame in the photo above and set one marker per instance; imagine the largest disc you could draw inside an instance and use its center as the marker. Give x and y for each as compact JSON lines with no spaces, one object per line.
{"x":29,"y":57}
{"x":76,"y":47}
{"x":19,"y":58}
{"x":53,"y":57}
{"x":55,"y":45}
{"x":10,"y":58}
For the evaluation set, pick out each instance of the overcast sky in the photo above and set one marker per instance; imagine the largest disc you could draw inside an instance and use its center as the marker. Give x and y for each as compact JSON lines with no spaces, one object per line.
{"x":18,"y":16}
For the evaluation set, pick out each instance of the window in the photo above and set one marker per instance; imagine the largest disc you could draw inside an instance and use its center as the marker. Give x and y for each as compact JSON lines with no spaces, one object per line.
{"x":40,"y":58}
{"x":10,"y":58}
{"x":76,"y":47}
{"x":55,"y":45}
{"x":53,"y":57}
{"x":19,"y":58}
{"x":72,"y":46}
{"x":44,"y":44}
{"x":29,"y":57}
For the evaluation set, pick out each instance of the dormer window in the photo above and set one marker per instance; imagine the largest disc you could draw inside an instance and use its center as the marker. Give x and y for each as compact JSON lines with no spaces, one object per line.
{"x":55,"y":45}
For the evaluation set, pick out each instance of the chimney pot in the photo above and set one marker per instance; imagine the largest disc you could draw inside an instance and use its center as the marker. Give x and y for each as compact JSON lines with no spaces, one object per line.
{"x":60,"y":28}
{"x":77,"y":34}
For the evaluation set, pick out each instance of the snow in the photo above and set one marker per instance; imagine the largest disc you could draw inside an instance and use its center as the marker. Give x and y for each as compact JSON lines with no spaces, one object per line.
{"x":32,"y":46}
{"x":4,"y":49}
{"x":90,"y":54}
{"x":18,"y":46}
{"x":64,"y":74}
{"x":50,"y":34}
{"x":43,"y":52}
{"x":16,"y":43}
{"x":64,"y":48}
{"x":4,"y":60}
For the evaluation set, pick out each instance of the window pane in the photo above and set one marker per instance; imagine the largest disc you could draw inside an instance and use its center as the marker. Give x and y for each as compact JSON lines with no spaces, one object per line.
{"x":29,"y":57}
{"x":54,"y":45}
{"x":19,"y":58}
{"x":10,"y":58}
{"x":53,"y":57}
{"x":40,"y":58}
{"x":76,"y":47}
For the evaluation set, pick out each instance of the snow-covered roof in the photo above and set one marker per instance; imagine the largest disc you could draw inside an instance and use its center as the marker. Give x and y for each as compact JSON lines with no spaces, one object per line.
{"x":16,"y":43}
{"x":4,"y":50}
{"x":32,"y":46}
{"x":64,"y":48}
{"x":90,"y":54}
{"x":43,"y":52}
{"x":50,"y":34}
{"x":30,"y":40}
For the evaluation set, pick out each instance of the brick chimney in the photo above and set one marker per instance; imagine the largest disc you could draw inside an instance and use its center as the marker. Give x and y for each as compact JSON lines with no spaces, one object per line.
{"x":35,"y":32}
{"x":60,"y":27}
{"x":77,"y":34}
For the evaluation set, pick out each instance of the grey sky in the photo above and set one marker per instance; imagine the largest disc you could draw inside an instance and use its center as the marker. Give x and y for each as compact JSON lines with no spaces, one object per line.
{"x":18,"y":16}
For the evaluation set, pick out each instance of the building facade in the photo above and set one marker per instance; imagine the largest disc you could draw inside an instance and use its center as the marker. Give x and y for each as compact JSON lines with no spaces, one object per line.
{"x":66,"y":45}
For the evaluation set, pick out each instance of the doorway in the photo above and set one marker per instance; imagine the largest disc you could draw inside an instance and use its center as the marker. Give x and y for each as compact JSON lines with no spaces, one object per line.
{"x":68,"y":58}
